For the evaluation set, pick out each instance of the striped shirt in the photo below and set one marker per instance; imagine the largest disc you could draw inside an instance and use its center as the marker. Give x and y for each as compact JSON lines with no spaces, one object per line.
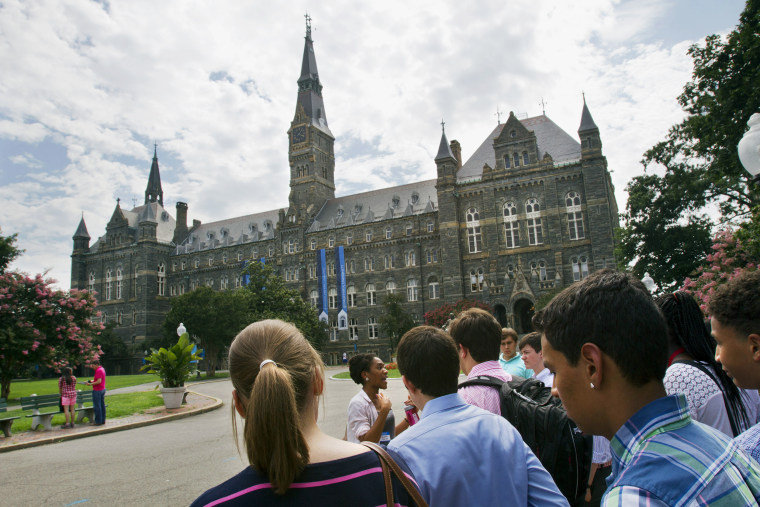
{"x":660,"y":456}
{"x":352,"y":481}
{"x":485,"y":397}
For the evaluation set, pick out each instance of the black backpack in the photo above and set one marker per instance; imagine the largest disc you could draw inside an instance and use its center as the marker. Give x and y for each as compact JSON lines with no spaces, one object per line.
{"x":544,"y":426}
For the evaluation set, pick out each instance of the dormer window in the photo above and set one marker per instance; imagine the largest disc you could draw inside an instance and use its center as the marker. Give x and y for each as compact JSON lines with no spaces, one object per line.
{"x":267,"y":225}
{"x":513,"y":133}
{"x":339,"y":212}
{"x":252,"y":227}
{"x":209,"y":235}
{"x":223,"y":233}
{"x":415,"y":197}
{"x":357,"y":209}
{"x":164,"y":216}
{"x":396,"y":200}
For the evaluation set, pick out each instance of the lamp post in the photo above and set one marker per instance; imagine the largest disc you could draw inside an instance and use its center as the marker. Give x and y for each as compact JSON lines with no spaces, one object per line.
{"x":749,"y":148}
{"x":648,"y":282}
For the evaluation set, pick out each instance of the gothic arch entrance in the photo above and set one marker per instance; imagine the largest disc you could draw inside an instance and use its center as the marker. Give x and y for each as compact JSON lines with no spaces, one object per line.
{"x":500,"y":312}
{"x":523,"y":313}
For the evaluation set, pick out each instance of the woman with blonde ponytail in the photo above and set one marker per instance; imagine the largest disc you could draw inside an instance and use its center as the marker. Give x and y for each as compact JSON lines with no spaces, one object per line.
{"x":277,"y":379}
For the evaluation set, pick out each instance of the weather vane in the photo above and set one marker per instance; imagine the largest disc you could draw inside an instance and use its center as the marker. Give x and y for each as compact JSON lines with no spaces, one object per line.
{"x":543,"y":106}
{"x":498,"y":116}
{"x":308,"y":24}
{"x":443,"y":125}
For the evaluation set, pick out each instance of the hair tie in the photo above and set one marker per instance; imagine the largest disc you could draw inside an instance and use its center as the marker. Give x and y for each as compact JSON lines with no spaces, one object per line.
{"x":265,"y":362}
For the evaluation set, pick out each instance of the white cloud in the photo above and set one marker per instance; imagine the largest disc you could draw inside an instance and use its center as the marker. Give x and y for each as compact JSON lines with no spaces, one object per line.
{"x":107,"y":83}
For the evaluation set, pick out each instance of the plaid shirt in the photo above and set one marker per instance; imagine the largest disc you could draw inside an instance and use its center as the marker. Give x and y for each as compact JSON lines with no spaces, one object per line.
{"x":661,"y":457}
{"x":485,"y":397}
{"x":66,"y":390}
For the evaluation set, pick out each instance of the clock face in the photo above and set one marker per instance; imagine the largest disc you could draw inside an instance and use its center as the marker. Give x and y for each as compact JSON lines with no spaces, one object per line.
{"x":299,"y":134}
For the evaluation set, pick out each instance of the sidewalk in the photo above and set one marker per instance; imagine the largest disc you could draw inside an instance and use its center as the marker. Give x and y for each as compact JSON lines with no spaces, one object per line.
{"x":196,"y":404}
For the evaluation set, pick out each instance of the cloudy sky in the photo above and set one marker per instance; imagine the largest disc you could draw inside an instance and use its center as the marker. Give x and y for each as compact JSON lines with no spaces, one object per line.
{"x":88,"y":87}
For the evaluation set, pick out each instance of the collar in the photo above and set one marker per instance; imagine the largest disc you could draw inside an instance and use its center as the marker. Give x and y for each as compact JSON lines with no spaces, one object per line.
{"x":365,"y":397}
{"x":441,"y":403}
{"x":516,"y":356}
{"x":659,"y":416}
{"x":484,"y":368}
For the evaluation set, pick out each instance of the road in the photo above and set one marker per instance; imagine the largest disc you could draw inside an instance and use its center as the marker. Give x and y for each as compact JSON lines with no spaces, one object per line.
{"x":163,"y":464}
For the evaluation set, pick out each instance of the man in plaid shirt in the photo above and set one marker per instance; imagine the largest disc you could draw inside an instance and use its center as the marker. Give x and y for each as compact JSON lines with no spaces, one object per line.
{"x":606,"y":343}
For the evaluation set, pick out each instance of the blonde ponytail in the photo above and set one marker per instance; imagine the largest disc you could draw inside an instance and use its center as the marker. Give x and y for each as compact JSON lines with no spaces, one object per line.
{"x":274,"y":396}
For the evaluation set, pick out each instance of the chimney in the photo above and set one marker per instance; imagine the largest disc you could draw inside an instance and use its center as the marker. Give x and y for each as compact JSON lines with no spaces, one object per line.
{"x":180,"y":228}
{"x":456,"y":150}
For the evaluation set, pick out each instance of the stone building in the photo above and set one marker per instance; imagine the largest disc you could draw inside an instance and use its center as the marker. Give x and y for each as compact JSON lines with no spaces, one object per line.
{"x":532,"y":210}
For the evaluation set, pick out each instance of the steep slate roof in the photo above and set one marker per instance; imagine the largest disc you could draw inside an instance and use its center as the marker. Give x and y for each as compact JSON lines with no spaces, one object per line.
{"x":587,"y":122}
{"x":153,"y":191}
{"x":377,"y":205}
{"x":311,"y":97}
{"x":81,"y":230}
{"x":231,"y":231}
{"x":550,"y":137}
{"x":444,"y":150}
{"x":156,"y":213}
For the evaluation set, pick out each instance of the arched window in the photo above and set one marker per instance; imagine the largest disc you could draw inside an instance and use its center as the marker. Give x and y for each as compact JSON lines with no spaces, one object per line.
{"x":351,"y":296}
{"x":412,"y":290}
{"x":372,"y":328}
{"x":507,"y":161}
{"x":388,"y":232}
{"x":91,"y":282}
{"x":314,"y":298}
{"x":511,"y":225}
{"x":390,"y":287}
{"x":368,"y":235}
{"x":349,"y":239}
{"x":369,"y":264}
{"x":434,"y":288}
{"x":516,"y":158}
{"x":476,"y":280}
{"x":161,"y":279}
{"x":526,"y":158}
{"x":371,"y":294}
{"x":580,"y":268}
{"x":119,"y":282}
{"x":353,"y":329}
{"x":535,"y":229}
{"x":313,"y":244}
{"x":474,"y":239}
{"x":331,"y":242}
{"x":410,"y":258}
{"x":109,"y":284}
{"x":574,"y":215}
{"x":538,"y":270}
{"x":332,"y":297}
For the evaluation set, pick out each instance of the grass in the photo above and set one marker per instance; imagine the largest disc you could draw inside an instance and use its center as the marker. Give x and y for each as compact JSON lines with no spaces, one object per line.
{"x":20,"y":388}
{"x":119,"y":405}
{"x":391,"y":374}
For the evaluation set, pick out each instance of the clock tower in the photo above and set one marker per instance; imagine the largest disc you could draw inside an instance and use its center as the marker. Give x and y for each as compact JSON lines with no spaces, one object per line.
{"x":310,"y":153}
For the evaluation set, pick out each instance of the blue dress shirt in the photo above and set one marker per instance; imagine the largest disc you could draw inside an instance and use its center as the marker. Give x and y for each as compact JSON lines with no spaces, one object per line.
{"x":464,"y":455}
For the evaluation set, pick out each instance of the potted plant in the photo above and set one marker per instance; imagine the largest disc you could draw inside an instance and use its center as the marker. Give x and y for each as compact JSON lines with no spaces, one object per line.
{"x":173,"y":365}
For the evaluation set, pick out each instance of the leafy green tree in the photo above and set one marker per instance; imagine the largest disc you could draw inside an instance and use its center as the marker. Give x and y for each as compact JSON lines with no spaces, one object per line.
{"x":269,"y":298}
{"x":395,"y":321}
{"x":8,"y":250}
{"x":667,"y":228}
{"x":213,"y":317}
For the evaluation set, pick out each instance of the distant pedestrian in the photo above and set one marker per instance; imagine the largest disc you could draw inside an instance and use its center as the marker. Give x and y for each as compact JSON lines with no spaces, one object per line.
{"x":345,"y":359}
{"x":67,"y":386}
{"x":98,"y":384}
{"x":509,"y":360}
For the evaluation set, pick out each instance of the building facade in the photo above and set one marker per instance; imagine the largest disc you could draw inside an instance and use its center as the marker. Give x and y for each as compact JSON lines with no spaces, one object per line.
{"x":531,"y":211}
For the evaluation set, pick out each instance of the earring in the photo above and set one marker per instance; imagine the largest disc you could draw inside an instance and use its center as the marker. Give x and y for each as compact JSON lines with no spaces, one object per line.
{"x":593,"y":386}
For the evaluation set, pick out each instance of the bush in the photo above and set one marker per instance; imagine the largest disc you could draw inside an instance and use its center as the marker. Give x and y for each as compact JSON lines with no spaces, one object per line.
{"x":439,"y":316}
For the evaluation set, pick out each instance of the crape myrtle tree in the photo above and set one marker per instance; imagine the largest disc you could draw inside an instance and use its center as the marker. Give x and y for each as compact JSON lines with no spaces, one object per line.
{"x":269,"y":298}
{"x":43,"y":325}
{"x":441,"y":315}
{"x":214,"y":318}
{"x":668,"y":229}
{"x":395,"y":321}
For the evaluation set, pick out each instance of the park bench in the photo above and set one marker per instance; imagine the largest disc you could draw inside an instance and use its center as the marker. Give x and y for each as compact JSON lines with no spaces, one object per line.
{"x":36,"y":403}
{"x":6,"y":422}
{"x":82,"y":411}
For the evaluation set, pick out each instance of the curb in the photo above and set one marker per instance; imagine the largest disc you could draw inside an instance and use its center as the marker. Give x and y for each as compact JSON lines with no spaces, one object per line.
{"x":165,"y":418}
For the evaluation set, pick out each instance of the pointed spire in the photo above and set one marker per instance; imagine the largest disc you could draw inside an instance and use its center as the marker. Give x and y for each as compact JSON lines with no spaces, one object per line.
{"x":153,"y":192}
{"x":444,"y":150}
{"x":587,"y":122}
{"x":309,"y":86}
{"x":81,"y":230}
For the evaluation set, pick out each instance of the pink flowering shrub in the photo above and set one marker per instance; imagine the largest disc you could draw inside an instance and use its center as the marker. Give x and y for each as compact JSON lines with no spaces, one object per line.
{"x":729,"y":258}
{"x":43,"y":325}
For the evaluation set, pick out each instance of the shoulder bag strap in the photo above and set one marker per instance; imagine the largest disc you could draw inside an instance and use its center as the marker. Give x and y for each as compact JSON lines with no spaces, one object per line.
{"x":386,"y":459}
{"x":704,"y":369}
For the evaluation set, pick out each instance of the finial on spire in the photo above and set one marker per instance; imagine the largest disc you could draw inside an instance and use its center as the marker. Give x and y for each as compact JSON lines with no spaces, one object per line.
{"x":308,"y":24}
{"x":543,"y":106}
{"x":584,"y":96}
{"x":117,"y":201}
{"x":443,"y":125}
{"x":155,"y":150}
{"x":498,"y":116}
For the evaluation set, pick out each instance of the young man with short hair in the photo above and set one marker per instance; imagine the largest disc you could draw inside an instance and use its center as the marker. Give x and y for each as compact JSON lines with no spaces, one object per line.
{"x":477,"y":334}
{"x":530,"y":351}
{"x":606,"y":343}
{"x":735,"y":320}
{"x":461,"y":454}
{"x":509,"y":359}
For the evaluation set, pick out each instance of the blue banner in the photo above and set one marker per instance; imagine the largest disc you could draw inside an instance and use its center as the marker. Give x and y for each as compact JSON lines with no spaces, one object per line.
{"x":322,"y":282}
{"x":340,"y":265}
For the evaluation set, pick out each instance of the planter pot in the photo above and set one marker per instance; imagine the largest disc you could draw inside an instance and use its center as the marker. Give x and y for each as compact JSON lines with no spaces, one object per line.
{"x":173,"y":396}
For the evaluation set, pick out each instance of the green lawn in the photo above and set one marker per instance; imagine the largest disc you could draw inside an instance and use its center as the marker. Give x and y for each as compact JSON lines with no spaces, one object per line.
{"x":118,"y":405}
{"x":391,"y":374}
{"x":21,"y":388}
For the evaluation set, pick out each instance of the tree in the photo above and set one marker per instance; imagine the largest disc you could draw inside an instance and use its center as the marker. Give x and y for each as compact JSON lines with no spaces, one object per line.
{"x":269,"y":298}
{"x":213,"y":317}
{"x":43,"y":325}
{"x":441,"y":315}
{"x":667,"y":226}
{"x":8,"y":250}
{"x":395,"y":321}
